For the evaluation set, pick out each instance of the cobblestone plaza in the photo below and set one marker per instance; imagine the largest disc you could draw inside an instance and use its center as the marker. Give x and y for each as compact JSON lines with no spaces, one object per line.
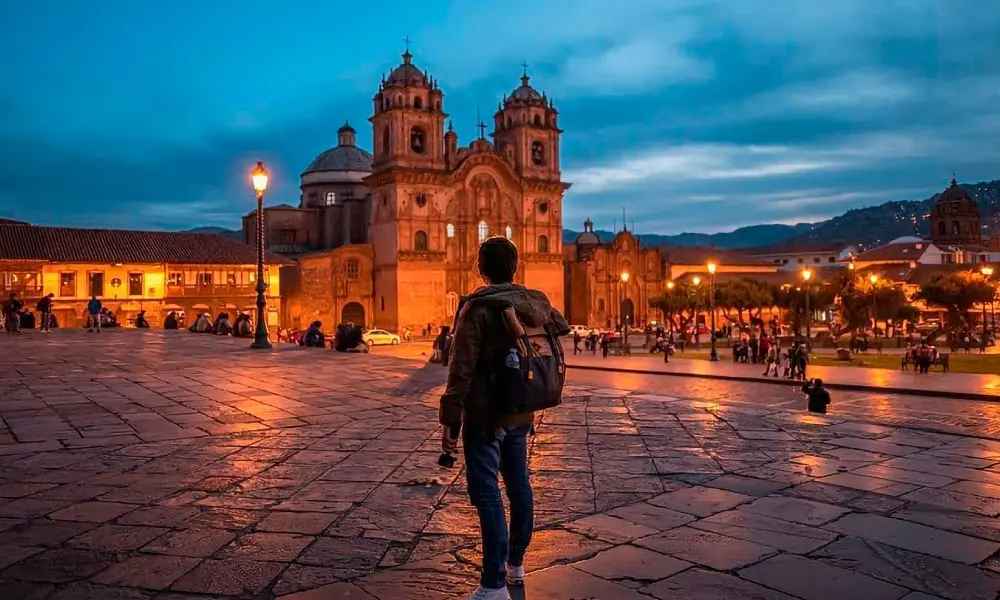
{"x":140,"y":465}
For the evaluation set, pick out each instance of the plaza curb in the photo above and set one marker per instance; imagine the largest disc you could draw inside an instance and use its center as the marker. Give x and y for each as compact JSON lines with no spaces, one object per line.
{"x":852,"y":387}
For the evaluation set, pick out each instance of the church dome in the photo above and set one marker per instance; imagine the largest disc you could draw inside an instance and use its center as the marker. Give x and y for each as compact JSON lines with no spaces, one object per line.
{"x":956,"y":193}
{"x":526,"y":92}
{"x":407,"y":73}
{"x":341,"y":158}
{"x":587,"y":238}
{"x":906,"y":239}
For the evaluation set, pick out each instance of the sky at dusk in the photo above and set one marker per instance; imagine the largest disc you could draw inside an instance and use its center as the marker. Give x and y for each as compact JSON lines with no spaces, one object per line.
{"x":697,"y":115}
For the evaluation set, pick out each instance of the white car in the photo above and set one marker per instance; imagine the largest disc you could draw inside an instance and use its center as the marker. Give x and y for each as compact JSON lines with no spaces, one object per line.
{"x":377,"y":337}
{"x":583,"y":330}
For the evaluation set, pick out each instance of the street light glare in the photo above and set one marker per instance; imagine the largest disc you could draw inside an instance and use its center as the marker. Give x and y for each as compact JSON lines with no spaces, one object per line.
{"x":259,"y":177}
{"x":873,"y":278}
{"x":807,"y":274}
{"x":696,"y":280}
{"x":625,"y":276}
{"x":711,"y":267}
{"x":670,"y":285}
{"x":987,"y":271}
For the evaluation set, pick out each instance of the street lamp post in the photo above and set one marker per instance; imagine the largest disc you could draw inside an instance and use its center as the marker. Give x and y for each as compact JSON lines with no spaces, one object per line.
{"x":986,"y":271}
{"x":874,"y":279}
{"x":670,"y":320}
{"x":259,"y":178}
{"x":697,"y":336}
{"x":625,"y":317}
{"x":806,"y":276}
{"x":714,"y":354}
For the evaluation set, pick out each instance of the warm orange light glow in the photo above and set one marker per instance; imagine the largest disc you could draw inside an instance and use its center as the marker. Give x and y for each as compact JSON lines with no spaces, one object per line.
{"x":987,"y":271}
{"x":850,"y":265}
{"x":807,"y":274}
{"x":670,"y":285}
{"x":873,"y":278}
{"x":696,"y":280}
{"x":259,"y":178}
{"x":625,"y":277}
{"x":711,"y":267}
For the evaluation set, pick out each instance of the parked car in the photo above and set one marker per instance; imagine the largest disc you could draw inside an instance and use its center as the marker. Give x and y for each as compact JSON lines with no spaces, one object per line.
{"x":379,"y":337}
{"x":583,"y":330}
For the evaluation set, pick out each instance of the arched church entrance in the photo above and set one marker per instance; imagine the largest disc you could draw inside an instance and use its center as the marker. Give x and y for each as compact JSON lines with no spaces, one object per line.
{"x":353,"y":312}
{"x":628,"y":312}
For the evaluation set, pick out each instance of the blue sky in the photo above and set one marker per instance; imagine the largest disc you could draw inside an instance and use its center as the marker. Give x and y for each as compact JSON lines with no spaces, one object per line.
{"x":697,"y":115}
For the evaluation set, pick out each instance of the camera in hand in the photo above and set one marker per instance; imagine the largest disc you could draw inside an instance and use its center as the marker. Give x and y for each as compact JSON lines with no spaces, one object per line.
{"x":447,"y":460}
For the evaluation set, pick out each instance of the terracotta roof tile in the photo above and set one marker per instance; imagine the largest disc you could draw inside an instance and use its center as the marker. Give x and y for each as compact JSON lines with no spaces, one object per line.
{"x":895,"y":252}
{"x":699,"y":255}
{"x":65,"y":244}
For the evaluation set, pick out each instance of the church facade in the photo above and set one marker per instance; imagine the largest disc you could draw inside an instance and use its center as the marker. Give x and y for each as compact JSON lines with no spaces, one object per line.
{"x":389,"y":239}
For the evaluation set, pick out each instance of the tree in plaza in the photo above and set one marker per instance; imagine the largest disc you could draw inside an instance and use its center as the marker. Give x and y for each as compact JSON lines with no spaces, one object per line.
{"x":681,"y":303}
{"x":858,"y":297}
{"x":792,"y":299}
{"x":744,"y":295}
{"x":957,"y":292}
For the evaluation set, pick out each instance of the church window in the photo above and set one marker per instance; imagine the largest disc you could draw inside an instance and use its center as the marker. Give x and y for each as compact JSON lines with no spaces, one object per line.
{"x":353,"y":269}
{"x":543,"y":207}
{"x":508,"y":232}
{"x":331,"y":198}
{"x":418,"y":102}
{"x":418,"y":143}
{"x":381,"y":303}
{"x":437,"y":105}
{"x":484,"y":231}
{"x":399,"y":100}
{"x":420,"y":241}
{"x":955,"y":228}
{"x":538,"y":121}
{"x":385,"y":141}
{"x":538,"y":153}
{"x":543,"y":244}
{"x":450,"y":230}
{"x":942,"y":228}
{"x":600,"y":305}
{"x":508,"y":123}
{"x":421,"y":200}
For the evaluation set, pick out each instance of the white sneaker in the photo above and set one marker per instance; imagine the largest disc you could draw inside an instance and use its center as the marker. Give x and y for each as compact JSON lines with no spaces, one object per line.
{"x":515,"y":575}
{"x":482,"y":593}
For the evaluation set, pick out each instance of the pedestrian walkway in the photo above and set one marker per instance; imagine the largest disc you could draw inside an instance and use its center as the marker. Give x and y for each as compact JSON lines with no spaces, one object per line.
{"x":174,"y":466}
{"x":953,"y":385}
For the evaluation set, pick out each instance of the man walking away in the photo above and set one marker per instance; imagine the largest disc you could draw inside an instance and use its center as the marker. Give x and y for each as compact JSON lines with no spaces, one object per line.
{"x":44,"y":307}
{"x":576,"y":343}
{"x":506,"y":363}
{"x":94,"y":312}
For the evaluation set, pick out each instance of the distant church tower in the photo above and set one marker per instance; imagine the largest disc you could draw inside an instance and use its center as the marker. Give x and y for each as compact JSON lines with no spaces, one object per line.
{"x":955,"y":218}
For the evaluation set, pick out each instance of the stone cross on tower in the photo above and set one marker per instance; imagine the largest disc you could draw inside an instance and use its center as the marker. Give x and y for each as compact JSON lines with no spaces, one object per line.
{"x":480,"y":125}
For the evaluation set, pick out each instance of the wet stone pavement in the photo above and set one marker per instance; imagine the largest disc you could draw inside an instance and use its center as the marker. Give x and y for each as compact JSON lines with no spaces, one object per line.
{"x":140,"y":465}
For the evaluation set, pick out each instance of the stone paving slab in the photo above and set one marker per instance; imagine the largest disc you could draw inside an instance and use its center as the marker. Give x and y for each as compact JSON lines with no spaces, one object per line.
{"x":185,"y":466}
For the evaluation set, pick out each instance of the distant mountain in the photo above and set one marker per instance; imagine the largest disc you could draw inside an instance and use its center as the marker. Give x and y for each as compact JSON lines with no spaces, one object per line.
{"x":226,"y":233}
{"x":876,"y":225}
{"x":744,"y":237}
{"x":869,"y":226}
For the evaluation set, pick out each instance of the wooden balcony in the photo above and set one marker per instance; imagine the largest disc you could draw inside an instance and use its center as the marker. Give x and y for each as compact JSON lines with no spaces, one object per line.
{"x":209,"y":291}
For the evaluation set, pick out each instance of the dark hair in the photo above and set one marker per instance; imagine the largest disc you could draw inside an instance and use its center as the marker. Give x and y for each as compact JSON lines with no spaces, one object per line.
{"x":498,"y":260}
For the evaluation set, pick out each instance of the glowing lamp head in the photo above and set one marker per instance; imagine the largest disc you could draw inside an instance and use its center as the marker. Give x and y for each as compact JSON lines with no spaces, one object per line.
{"x":712,"y":267}
{"x":696,"y":280}
{"x":670,"y":285}
{"x":259,"y":178}
{"x":850,"y":265}
{"x":625,"y":277}
{"x":873,"y":278}
{"x":807,"y":274}
{"x":987,"y":271}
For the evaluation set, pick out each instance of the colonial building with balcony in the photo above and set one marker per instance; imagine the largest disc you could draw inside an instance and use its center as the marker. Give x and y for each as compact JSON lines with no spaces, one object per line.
{"x":156,"y":271}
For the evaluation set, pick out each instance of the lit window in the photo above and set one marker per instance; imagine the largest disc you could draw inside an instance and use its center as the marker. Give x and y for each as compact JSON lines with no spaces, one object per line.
{"x":352,"y":269}
{"x":450,"y":230}
{"x":331,"y":198}
{"x":484,"y":231}
{"x":508,"y":232}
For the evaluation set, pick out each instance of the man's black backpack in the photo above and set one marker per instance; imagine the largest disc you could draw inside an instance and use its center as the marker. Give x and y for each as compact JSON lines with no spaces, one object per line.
{"x":528,"y":370}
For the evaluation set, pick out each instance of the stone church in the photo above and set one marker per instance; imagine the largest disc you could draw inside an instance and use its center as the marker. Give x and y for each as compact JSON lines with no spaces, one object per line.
{"x":389,"y":239}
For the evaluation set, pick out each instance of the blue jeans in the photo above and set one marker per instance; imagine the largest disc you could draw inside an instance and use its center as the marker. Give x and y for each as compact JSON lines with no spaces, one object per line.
{"x":487,"y":455}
